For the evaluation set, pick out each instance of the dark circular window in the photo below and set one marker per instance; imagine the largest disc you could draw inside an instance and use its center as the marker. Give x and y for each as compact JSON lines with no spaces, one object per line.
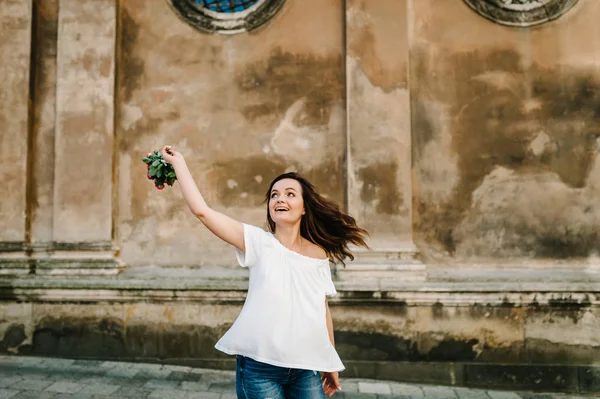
{"x":521,"y":13}
{"x":226,"y":16}
{"x":227,"y":6}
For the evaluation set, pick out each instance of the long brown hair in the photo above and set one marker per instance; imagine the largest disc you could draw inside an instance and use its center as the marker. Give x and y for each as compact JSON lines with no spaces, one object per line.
{"x":323,"y":224}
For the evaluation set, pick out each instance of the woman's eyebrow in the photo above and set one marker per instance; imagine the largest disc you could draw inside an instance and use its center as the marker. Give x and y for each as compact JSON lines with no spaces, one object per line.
{"x":287,"y":188}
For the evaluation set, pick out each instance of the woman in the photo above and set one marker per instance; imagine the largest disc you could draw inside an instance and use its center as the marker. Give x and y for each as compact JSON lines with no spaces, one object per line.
{"x":283,"y":336}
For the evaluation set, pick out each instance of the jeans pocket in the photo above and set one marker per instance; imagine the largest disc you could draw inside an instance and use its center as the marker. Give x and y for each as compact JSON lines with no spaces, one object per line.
{"x":256,"y":369}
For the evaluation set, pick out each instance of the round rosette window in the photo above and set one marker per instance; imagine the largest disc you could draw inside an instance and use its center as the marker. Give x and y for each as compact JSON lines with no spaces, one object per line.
{"x":521,"y":13}
{"x":226,"y":16}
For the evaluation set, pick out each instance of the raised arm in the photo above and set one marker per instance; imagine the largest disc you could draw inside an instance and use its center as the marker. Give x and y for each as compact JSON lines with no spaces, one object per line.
{"x":224,"y":227}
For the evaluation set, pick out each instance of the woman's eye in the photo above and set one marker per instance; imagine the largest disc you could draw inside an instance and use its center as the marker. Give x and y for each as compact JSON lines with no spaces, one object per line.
{"x":273,"y":195}
{"x":291,"y":194}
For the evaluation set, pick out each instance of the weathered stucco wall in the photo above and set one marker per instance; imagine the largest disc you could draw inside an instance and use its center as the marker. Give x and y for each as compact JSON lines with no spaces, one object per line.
{"x":489,"y":132}
{"x":505,"y":136}
{"x":15,"y":47}
{"x":44,"y":120}
{"x":242,"y":109}
{"x":84,"y":122}
{"x":378,"y":114}
{"x":396,"y":340}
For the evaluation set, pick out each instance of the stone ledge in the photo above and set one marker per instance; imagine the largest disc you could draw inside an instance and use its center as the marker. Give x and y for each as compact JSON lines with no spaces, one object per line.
{"x":516,"y":273}
{"x":15,"y":267}
{"x":407,"y":270}
{"x":59,"y":259}
{"x":12,"y":246}
{"x":233,"y":289}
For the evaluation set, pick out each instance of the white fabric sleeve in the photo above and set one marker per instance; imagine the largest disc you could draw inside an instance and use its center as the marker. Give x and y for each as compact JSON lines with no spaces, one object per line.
{"x":328,"y":282}
{"x":252,"y":242}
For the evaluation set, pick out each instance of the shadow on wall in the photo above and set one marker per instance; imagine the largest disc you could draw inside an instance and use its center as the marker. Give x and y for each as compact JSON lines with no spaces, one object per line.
{"x":522,"y":142}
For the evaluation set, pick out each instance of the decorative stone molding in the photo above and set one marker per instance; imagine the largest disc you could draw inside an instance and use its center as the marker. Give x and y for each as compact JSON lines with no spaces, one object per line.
{"x":97,"y":258}
{"x":93,"y":258}
{"x":86,"y":289}
{"x":401,"y":262}
{"x":213,"y":17}
{"x":521,"y":13}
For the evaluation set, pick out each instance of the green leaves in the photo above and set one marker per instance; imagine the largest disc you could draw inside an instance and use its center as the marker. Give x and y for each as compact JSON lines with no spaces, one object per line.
{"x":159,"y":170}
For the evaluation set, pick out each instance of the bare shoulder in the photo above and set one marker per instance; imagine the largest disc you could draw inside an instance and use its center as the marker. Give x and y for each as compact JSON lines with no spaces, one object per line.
{"x":314,"y":251}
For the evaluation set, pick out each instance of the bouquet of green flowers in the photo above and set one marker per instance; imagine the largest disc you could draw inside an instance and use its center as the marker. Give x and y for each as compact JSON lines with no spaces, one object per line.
{"x":159,"y":170}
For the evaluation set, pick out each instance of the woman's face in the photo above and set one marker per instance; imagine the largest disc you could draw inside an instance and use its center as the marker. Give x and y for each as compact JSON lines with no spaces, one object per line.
{"x":286,"y":205}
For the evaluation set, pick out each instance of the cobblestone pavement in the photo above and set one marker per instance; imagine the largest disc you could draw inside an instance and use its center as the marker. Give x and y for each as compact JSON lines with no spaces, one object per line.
{"x":43,"y":378}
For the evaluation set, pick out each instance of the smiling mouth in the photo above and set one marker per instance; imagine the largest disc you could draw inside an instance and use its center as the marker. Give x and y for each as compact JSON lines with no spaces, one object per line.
{"x":280,"y":209}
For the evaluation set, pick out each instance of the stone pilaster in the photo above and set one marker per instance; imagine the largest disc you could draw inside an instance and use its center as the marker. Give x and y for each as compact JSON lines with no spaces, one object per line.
{"x":379,"y":136}
{"x":15,"y":53}
{"x":84,"y":135}
{"x":43,"y":123}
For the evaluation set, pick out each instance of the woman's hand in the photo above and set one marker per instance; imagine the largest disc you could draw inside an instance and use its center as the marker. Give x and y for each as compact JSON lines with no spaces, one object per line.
{"x":330,"y":383}
{"x":169,"y":155}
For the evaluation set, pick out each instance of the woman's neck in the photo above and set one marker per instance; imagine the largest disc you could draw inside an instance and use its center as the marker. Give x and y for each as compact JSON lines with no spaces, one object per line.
{"x":289,"y":236}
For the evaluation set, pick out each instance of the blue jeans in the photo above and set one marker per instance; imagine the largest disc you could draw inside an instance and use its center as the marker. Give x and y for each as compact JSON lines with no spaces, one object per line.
{"x":257,"y":380}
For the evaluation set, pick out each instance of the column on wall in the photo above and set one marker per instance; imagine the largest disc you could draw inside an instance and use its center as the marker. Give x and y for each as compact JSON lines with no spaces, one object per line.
{"x":84,"y":134}
{"x":43,"y":117}
{"x":379,"y":136}
{"x":15,"y":49}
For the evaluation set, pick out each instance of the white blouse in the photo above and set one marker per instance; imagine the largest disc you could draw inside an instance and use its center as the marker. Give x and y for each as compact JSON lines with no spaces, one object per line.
{"x":283,"y":321}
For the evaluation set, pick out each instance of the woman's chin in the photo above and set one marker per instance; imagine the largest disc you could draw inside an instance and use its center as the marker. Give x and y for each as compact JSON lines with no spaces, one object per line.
{"x":285,"y":219}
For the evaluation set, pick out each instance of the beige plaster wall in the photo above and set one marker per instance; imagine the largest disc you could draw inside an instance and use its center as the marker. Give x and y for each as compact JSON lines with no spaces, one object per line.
{"x":477,"y":142}
{"x":505,"y":136}
{"x":84,"y":121}
{"x":44,"y":123}
{"x":378,"y":112}
{"x":241,"y":108}
{"x":15,"y":47}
